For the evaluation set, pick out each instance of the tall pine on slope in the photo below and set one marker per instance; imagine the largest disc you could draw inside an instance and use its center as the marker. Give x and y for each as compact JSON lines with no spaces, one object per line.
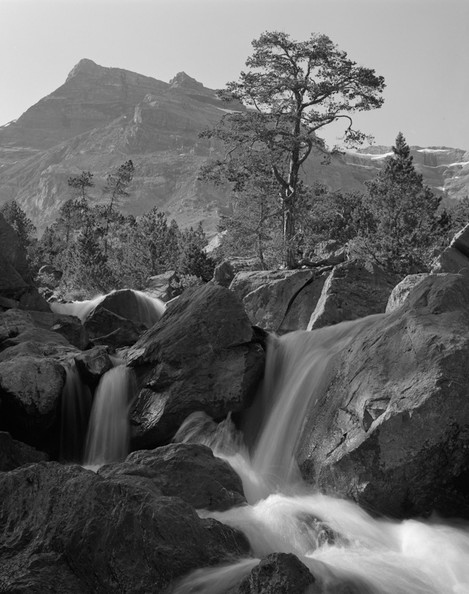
{"x":403,"y":227}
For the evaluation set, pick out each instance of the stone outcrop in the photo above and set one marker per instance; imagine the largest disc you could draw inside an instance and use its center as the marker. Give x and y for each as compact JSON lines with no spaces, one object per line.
{"x":163,"y":286}
{"x":66,"y":529}
{"x":282,"y":300}
{"x":389,"y":428}
{"x":201,"y":355}
{"x":401,"y":291}
{"x":351,"y":291}
{"x":14,"y":453}
{"x":69,"y":327}
{"x":455,"y":258}
{"x":188,"y":471}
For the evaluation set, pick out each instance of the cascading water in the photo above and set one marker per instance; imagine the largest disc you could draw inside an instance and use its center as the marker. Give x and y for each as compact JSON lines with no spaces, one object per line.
{"x":338,"y":541}
{"x":108,"y":431}
{"x":76,"y":408}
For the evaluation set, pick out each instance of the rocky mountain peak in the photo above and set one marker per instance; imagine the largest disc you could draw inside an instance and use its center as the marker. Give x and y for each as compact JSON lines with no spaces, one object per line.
{"x":84,"y":66}
{"x":184,"y":81}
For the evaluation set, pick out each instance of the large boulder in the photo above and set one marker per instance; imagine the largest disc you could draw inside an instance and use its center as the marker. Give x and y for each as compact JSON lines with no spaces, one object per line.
{"x":66,"y":529}
{"x":188,"y":471}
{"x":390,"y":426}
{"x":455,"y":258}
{"x":70,"y":327}
{"x":352,"y":290}
{"x":280,"y":300}
{"x":401,"y":291}
{"x":163,"y":286}
{"x":201,"y":355}
{"x":15,"y":453}
{"x":279,"y":573}
{"x":121,"y":317}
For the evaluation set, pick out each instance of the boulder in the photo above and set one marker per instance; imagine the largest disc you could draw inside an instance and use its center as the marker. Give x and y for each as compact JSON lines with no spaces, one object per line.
{"x":105,"y":327}
{"x":188,"y":471}
{"x":455,"y":258}
{"x":352,"y":290}
{"x":223,"y":274}
{"x":279,"y":573}
{"x":280,"y":300}
{"x":401,"y":291}
{"x":66,"y":529}
{"x":163,"y":286}
{"x":389,"y":428}
{"x":30,"y":391}
{"x":93,"y":363}
{"x":70,"y":327}
{"x":15,"y":453}
{"x":201,"y":355}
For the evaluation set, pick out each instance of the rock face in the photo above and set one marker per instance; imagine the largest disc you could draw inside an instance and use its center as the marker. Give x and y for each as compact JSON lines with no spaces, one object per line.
{"x":200,"y":356}
{"x":279,"y":573}
{"x":188,"y":471}
{"x":351,"y":291}
{"x":390,"y":427}
{"x":282,"y":300}
{"x":401,"y":291}
{"x":66,"y":529}
{"x":163,"y":286}
{"x":14,"y":453}
{"x":455,"y":258}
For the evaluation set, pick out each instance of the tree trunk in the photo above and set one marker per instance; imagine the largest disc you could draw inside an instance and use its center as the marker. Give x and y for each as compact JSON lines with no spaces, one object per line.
{"x":289,"y":235}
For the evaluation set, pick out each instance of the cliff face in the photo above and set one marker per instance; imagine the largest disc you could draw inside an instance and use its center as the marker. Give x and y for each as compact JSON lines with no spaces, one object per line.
{"x":101,"y":117}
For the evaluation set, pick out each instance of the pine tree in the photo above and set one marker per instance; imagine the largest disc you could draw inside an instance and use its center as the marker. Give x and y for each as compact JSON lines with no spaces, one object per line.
{"x":402,"y":215}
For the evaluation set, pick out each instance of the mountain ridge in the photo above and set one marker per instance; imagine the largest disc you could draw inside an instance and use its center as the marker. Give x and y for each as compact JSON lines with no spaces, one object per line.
{"x":102,"y":116}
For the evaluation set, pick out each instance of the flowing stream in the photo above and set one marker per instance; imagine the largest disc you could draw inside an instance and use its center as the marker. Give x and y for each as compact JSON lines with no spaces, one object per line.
{"x":343,"y":546}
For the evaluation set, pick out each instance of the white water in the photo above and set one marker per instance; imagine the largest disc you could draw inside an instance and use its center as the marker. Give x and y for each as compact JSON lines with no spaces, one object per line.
{"x":150,"y":309}
{"x":108,"y":431}
{"x":335,"y":538}
{"x":76,"y":408}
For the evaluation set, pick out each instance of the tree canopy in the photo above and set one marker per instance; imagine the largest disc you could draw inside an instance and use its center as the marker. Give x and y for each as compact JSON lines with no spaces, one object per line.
{"x":290,"y":91}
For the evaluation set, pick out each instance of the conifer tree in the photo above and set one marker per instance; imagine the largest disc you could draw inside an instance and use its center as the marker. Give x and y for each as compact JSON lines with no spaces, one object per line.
{"x":403,"y":223}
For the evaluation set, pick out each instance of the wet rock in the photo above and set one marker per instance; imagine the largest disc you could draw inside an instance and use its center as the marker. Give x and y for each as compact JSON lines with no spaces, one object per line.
{"x":279,"y":300}
{"x":15,"y":453}
{"x":105,"y":327}
{"x":279,"y":573}
{"x":66,"y":529}
{"x":70,"y":327}
{"x":188,"y":471}
{"x":352,"y":290}
{"x":200,"y":356}
{"x":93,"y":363}
{"x":389,"y":429}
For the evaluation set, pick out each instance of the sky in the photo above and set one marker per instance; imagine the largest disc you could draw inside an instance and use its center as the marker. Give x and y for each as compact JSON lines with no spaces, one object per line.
{"x":421,"y":47}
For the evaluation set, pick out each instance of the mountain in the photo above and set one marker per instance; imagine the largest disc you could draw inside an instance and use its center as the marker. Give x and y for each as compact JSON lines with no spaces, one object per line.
{"x":101,"y":117}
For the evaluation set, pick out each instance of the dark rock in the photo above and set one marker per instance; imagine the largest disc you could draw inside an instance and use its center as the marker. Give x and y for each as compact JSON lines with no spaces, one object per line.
{"x":199,"y":356}
{"x":15,"y":453}
{"x":352,"y":290}
{"x":279,"y":300}
{"x":390,"y":427}
{"x":30,"y":391}
{"x":135,"y":306}
{"x":279,"y":573}
{"x":107,"y":328}
{"x":66,"y":529}
{"x":223,"y":274}
{"x":70,"y":327}
{"x":188,"y":471}
{"x":94,"y":363}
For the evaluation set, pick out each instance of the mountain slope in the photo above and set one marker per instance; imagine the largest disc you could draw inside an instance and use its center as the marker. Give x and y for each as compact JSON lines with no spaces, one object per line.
{"x":101,"y":117}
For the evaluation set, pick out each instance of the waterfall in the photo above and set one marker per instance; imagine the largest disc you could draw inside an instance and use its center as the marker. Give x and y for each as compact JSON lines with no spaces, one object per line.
{"x":343,"y":546}
{"x":147,"y":310}
{"x":108,"y":431}
{"x":76,"y":408}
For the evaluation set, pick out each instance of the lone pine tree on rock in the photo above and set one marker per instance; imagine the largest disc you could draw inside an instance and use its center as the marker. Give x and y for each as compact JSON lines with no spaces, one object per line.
{"x":291,"y":90}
